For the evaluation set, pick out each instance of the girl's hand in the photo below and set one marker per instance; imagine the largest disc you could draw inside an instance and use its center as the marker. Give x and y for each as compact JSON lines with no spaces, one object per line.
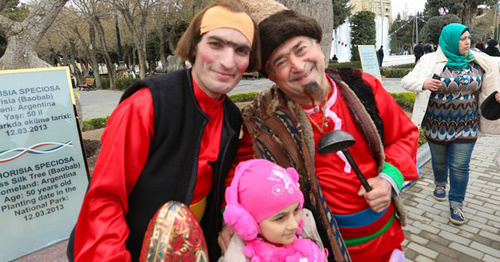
{"x":431,"y":84}
{"x":497,"y":97}
{"x":224,"y":238}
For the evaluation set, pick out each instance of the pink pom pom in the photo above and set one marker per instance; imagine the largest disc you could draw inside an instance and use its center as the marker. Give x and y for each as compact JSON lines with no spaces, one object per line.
{"x":241,"y":222}
{"x":301,"y":225}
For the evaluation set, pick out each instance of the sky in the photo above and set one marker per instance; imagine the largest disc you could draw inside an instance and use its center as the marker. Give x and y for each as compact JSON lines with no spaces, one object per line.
{"x":410,"y":6}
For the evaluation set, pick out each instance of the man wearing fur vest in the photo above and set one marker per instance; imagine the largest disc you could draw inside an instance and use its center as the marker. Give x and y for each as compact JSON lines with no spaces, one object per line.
{"x":285,"y":123}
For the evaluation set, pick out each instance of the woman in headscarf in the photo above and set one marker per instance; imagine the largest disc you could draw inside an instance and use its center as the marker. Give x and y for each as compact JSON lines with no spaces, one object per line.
{"x":450,"y":84}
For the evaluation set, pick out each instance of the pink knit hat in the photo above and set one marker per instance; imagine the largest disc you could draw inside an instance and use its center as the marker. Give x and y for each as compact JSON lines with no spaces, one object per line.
{"x":259,"y":189}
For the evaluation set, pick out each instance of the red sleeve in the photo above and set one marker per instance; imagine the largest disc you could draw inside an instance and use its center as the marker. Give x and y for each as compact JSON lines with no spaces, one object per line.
{"x":101,"y":229}
{"x":400,"y":134}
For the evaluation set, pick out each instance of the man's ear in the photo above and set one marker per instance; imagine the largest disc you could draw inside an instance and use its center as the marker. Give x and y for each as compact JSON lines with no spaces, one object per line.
{"x":271,"y":76}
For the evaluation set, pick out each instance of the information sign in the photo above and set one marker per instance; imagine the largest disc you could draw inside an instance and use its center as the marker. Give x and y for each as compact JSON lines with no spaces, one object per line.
{"x":43,"y":175}
{"x":369,"y":60}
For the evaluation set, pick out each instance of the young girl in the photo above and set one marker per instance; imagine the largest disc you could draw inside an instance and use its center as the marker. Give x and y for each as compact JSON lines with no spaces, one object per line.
{"x":264,"y":208}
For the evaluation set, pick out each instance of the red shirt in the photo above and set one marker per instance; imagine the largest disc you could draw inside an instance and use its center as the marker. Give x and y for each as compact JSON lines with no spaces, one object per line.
{"x":339,"y":187}
{"x":101,"y":229}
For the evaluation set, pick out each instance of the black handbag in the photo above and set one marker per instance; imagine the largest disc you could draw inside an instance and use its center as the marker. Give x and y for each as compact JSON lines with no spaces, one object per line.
{"x":490,"y":108}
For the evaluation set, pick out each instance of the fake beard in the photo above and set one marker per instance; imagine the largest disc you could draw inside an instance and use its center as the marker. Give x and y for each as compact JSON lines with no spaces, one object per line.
{"x":313,"y":92}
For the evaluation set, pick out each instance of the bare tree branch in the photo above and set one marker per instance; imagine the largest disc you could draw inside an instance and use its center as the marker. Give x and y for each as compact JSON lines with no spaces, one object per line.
{"x":3,"y":3}
{"x":5,"y":23}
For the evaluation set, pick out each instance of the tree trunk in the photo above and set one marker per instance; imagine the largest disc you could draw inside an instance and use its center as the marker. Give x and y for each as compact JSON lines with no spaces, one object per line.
{"x":22,"y":37}
{"x":468,"y":13}
{"x":104,"y":50}
{"x":87,"y":53}
{"x":93,"y":56}
{"x":163,"y":57}
{"x":142,"y":48}
{"x":73,"y":56}
{"x":320,"y":10}
{"x":134,"y":58}
{"x":171,"y":37}
{"x":52,"y":58}
{"x":65,"y":58}
{"x":139,"y":35}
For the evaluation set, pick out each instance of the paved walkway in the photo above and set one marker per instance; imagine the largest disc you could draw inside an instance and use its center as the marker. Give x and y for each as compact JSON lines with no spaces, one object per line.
{"x":429,"y":234}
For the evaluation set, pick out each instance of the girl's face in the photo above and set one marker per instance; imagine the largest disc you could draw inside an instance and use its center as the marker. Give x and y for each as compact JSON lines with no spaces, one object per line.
{"x":464,"y":43}
{"x":281,"y":227}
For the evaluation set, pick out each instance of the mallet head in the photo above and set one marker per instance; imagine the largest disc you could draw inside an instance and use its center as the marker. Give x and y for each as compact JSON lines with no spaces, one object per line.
{"x":334,"y":141}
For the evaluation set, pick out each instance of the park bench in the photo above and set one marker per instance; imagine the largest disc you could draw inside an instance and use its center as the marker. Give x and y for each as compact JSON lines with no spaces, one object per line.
{"x":88,"y":85}
{"x":253,"y":75}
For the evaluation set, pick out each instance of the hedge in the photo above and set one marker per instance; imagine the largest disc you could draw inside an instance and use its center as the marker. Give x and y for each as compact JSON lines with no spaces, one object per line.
{"x":243,"y":97}
{"x":95,"y":123}
{"x":404,"y":100}
{"x":394,"y":72}
{"x":355,"y":64}
{"x":121,"y":82}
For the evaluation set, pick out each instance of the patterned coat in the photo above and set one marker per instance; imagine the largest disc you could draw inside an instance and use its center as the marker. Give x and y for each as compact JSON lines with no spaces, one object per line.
{"x":433,"y":63}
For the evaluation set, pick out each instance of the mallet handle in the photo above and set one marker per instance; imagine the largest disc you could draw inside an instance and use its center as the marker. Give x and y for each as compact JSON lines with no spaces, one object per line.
{"x":355,"y":167}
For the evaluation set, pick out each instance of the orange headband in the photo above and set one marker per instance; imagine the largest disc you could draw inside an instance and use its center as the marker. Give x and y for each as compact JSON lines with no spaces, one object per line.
{"x":219,"y":17}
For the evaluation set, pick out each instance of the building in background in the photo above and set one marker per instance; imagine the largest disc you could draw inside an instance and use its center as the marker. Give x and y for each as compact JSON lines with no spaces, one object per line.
{"x":379,"y":7}
{"x":341,"y":40}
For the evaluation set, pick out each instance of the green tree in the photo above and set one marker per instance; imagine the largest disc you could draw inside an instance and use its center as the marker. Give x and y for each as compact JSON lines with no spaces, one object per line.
{"x":341,"y":11}
{"x":152,"y":50}
{"x":23,"y":36}
{"x":404,"y":33}
{"x":13,"y":10}
{"x":363,"y":31}
{"x":431,"y":31}
{"x":401,"y":39}
{"x":466,"y":10}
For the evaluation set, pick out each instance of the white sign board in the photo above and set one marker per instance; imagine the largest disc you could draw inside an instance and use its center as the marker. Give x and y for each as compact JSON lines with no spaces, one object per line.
{"x":369,"y":60}
{"x":43,"y":173}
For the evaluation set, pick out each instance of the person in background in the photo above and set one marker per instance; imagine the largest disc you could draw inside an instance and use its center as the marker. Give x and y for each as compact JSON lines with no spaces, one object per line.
{"x":270,"y":232}
{"x":285,"y":123}
{"x":428,"y":49}
{"x":450,"y":85}
{"x":335,"y":59}
{"x":492,"y":49}
{"x":380,"y":54}
{"x":418,"y":51}
{"x":480,"y":46}
{"x":172,"y":137}
{"x":486,"y":43}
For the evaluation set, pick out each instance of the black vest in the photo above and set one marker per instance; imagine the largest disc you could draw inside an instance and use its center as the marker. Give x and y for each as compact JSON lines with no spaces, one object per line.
{"x":172,"y":166}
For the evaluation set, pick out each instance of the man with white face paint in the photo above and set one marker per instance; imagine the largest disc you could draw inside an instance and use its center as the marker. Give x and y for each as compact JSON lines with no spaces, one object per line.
{"x":172,"y":137}
{"x":285,"y":123}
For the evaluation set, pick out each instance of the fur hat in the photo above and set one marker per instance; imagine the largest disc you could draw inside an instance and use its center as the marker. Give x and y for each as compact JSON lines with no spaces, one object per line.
{"x":277,"y":24}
